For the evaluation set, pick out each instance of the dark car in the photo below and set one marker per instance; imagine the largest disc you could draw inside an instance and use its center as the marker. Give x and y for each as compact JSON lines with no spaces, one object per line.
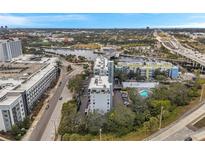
{"x":188,"y":139}
{"x":47,"y":106}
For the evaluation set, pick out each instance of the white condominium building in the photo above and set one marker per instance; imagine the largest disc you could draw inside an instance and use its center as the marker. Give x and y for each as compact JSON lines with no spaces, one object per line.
{"x":101,"y":86}
{"x":101,"y":66}
{"x":10,"y":49}
{"x":104,"y":67}
{"x":100,"y":94}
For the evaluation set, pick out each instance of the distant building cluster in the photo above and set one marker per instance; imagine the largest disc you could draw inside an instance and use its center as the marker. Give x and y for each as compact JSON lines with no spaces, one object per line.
{"x":101,"y":86}
{"x":22,"y":83}
{"x":3,"y":28}
{"x":147,"y":68}
{"x":10,"y":49}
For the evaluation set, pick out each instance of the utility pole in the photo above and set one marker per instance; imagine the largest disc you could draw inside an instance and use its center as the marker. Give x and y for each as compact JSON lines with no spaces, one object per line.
{"x":202,"y":92}
{"x":100,"y":134}
{"x":160,"y":118}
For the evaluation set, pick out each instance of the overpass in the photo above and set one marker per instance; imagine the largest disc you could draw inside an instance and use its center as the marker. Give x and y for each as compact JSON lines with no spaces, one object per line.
{"x":196,"y":58}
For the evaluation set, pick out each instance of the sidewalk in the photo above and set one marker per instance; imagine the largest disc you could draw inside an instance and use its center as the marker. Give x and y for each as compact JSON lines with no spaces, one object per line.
{"x":4,"y":139}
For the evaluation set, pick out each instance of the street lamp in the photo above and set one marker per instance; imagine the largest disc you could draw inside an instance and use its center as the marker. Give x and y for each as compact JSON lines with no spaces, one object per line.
{"x":160,"y":118}
{"x":55,"y":136}
{"x":100,"y":134}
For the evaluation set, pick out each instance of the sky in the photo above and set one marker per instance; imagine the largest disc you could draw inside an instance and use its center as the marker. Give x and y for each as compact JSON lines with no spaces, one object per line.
{"x":103,"y":20}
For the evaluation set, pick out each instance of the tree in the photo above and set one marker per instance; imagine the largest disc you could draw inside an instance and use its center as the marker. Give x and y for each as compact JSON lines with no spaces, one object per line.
{"x":121,"y":76}
{"x":120,"y":120}
{"x":151,"y":125}
{"x":69,"y":68}
{"x":179,"y":94}
{"x":160,"y":77}
{"x":155,"y":106}
{"x":59,"y":63}
{"x":71,"y":121}
{"x":15,"y":130}
{"x":76,"y":83}
{"x":68,"y":110}
{"x":138,"y":104}
{"x":95,"y":121}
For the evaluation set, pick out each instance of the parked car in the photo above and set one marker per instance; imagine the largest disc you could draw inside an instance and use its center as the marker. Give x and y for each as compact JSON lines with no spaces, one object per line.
{"x":61,"y":98}
{"x":47,"y":106}
{"x":126,"y":103}
{"x":188,"y":139}
{"x":124,"y":95}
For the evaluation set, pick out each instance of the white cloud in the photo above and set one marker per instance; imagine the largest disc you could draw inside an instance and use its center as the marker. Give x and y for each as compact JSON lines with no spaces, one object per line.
{"x":188,"y":25}
{"x":38,"y":20}
{"x":197,"y":17}
{"x":6,"y":19}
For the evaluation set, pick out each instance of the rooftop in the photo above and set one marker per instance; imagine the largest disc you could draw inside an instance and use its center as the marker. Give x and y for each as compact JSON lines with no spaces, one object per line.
{"x":101,"y":63}
{"x":99,"y":82}
{"x":146,"y":64}
{"x":9,"y":100}
{"x":18,"y":70}
{"x":22,"y":74}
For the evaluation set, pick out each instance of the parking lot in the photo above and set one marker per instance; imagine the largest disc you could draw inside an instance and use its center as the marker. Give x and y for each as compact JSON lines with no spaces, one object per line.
{"x":84,"y":97}
{"x":120,"y":97}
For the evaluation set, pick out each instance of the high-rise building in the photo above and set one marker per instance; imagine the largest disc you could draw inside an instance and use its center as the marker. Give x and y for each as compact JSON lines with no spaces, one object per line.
{"x":101,"y":86}
{"x":104,"y":67}
{"x":10,"y":49}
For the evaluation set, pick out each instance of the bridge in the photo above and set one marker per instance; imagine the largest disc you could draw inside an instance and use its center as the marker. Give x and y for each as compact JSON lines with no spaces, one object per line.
{"x":195,"y":58}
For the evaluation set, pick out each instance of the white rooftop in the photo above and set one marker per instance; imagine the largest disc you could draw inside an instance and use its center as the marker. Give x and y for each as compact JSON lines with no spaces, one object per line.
{"x":99,"y":82}
{"x":8,"y":85}
{"x":101,"y":63}
{"x":146,"y":85}
{"x":37,"y":76}
{"x":14,"y":85}
{"x":9,"y":100}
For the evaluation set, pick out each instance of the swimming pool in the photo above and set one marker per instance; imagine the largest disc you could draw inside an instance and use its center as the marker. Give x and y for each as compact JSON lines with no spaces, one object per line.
{"x":143,"y":93}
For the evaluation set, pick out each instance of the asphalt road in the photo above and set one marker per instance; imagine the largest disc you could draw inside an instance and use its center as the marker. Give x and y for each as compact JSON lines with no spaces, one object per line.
{"x":187,"y":118}
{"x":50,"y":131}
{"x":42,"y":123}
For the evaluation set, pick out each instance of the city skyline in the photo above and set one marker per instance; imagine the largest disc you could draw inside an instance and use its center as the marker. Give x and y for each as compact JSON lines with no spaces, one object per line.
{"x":103,"y":20}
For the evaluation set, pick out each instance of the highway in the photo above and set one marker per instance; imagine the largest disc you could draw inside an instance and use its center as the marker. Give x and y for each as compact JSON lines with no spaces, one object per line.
{"x":39,"y":129}
{"x":178,"y":125}
{"x":173,"y":45}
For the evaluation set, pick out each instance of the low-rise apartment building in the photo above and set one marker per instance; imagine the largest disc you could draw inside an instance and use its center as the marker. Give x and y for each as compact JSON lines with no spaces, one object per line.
{"x":147,"y":68}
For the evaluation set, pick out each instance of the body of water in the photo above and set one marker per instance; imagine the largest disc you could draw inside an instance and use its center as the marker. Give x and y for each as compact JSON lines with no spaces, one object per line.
{"x":89,"y":54}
